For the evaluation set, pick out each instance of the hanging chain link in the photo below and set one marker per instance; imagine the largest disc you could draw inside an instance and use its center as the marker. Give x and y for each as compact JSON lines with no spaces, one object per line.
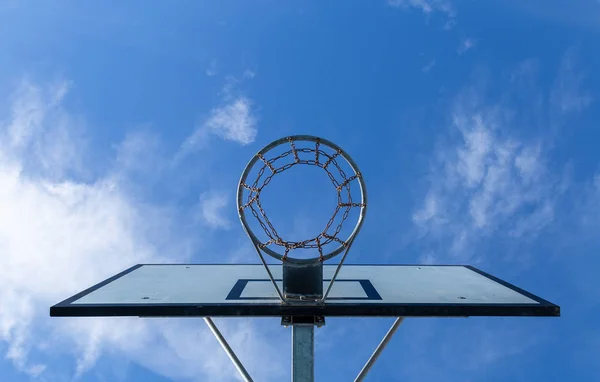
{"x":343,"y":187}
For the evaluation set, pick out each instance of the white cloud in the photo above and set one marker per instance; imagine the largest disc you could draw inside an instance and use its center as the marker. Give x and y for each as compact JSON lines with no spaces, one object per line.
{"x":428,"y":211}
{"x":567,"y":95}
{"x":59,"y":235}
{"x":426,"y":6}
{"x":429,"y":7}
{"x":55,"y":151}
{"x":233,"y":121}
{"x":211,"y":209}
{"x":465,"y":45}
{"x":587,"y":209}
{"x":485,"y":183}
{"x":212,"y":69}
{"x":178,"y":349}
{"x":139,"y":152}
{"x":488,"y":184}
{"x":428,"y":67}
{"x":228,"y":89}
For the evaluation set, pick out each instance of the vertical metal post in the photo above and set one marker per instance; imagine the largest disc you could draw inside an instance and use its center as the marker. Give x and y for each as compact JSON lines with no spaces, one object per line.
{"x":303,"y":353}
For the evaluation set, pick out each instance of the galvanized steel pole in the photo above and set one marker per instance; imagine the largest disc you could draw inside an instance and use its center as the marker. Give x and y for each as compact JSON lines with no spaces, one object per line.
{"x":303,"y":353}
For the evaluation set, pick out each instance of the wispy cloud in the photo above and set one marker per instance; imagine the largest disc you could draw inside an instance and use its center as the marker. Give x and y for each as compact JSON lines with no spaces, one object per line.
{"x":233,"y":121}
{"x":211,"y":209}
{"x":56,"y":150}
{"x":140,"y":151}
{"x":59,"y":235}
{"x":465,"y":45}
{"x":428,"y":67}
{"x":177,"y":349}
{"x":429,"y":7}
{"x":61,"y":226}
{"x":486,"y":181}
{"x":587,"y":210}
{"x":450,"y":350}
{"x":483,"y":183}
{"x":567,"y":94}
{"x":211,"y":70}
{"x":249,"y":73}
{"x":426,"y":6}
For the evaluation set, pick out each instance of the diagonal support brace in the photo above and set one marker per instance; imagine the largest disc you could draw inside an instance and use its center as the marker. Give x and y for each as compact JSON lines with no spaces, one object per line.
{"x":379,"y":349}
{"x":236,"y":362}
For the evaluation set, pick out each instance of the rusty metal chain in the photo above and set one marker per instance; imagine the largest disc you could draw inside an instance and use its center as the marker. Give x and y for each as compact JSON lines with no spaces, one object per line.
{"x":323,"y":238}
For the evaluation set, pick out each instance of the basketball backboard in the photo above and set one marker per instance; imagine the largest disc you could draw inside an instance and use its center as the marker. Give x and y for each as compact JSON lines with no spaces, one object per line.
{"x":173,"y":290}
{"x":302,"y":289}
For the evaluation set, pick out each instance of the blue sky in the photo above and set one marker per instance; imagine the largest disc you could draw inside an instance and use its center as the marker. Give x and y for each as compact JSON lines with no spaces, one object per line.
{"x":124,"y":128}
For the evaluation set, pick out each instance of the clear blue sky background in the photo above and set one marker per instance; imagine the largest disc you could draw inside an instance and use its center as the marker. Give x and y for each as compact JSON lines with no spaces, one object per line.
{"x":124,"y":127}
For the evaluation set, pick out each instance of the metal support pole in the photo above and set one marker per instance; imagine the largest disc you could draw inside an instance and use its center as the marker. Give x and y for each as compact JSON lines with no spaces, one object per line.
{"x":303,"y":353}
{"x":236,"y":362}
{"x":380,"y":347}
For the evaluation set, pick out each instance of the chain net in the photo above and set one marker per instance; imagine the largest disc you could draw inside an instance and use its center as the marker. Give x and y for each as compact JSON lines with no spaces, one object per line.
{"x":326,"y":161}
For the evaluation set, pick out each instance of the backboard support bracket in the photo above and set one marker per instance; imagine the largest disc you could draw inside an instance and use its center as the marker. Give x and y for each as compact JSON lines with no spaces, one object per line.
{"x":317,"y":321}
{"x":303,"y":345}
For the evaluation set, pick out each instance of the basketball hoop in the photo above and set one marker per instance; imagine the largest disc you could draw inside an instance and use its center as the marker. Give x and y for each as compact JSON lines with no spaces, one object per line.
{"x":309,"y":151}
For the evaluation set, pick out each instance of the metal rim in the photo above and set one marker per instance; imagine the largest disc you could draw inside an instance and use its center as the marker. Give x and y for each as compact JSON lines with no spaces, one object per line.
{"x":343,"y":154}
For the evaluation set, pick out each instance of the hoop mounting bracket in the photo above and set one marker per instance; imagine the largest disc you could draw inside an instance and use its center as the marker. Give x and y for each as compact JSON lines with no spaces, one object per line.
{"x":317,"y":321}
{"x":303,"y":283}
